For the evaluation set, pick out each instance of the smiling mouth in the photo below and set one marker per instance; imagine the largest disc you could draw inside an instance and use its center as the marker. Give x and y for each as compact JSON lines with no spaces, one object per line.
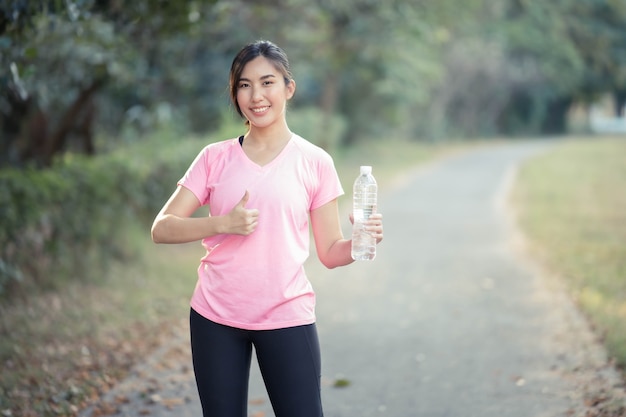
{"x":260,"y":109}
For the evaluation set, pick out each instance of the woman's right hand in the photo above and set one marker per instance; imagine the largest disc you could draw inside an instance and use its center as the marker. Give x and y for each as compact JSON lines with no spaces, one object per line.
{"x":240,"y":220}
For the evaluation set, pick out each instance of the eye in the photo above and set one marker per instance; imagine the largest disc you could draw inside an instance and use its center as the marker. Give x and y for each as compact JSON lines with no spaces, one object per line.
{"x":243,"y":85}
{"x":268,"y":82}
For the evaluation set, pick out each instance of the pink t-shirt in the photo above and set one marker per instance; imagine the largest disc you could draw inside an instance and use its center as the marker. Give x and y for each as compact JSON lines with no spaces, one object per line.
{"x":258,"y":282}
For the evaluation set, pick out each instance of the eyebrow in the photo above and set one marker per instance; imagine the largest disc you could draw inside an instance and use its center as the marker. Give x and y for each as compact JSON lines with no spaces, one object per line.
{"x":265,"y":77}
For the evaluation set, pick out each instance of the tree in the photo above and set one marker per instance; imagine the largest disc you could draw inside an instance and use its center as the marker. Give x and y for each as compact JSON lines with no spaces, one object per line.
{"x":56,"y":63}
{"x":57,"y":56}
{"x":378,"y":62}
{"x":598,"y":29}
{"x":569,"y":51}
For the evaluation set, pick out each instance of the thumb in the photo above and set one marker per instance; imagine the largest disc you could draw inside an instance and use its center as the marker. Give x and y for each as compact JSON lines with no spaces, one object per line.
{"x":244,"y":199}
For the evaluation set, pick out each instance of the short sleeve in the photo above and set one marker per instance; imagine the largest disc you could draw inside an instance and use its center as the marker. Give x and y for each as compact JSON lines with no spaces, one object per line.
{"x":329,"y":186}
{"x":195,"y":179}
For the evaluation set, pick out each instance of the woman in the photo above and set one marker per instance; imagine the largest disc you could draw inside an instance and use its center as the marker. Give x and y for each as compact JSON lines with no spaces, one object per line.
{"x":262,"y":188}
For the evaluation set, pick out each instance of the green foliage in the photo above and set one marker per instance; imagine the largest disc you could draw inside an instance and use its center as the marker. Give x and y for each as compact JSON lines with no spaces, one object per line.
{"x":53,"y":220}
{"x":562,"y":51}
{"x":60,"y":53}
{"x":68,"y":222}
{"x":434,"y":69}
{"x":538,"y":35}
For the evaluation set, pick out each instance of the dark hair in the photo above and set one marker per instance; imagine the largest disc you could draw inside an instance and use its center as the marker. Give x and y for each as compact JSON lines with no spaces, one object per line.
{"x":263,"y":48}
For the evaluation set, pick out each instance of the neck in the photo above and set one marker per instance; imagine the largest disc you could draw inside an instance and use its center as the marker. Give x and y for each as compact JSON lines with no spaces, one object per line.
{"x":269,"y":136}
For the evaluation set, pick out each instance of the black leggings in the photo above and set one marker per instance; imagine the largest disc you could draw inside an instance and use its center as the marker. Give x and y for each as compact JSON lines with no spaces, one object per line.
{"x":289,"y":360}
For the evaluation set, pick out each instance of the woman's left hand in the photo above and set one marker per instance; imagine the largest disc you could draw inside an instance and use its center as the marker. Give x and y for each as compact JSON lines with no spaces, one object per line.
{"x":374,"y":226}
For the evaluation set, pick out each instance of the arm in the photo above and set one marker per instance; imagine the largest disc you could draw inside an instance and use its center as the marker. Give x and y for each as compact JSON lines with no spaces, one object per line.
{"x":332,"y":248}
{"x":174,"y":223}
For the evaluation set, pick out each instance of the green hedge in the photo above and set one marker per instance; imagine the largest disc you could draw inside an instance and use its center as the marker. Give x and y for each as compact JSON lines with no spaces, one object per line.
{"x":68,"y":222}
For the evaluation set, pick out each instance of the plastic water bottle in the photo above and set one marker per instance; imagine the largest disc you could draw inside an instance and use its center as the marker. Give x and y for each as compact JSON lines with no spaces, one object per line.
{"x":363,"y":206}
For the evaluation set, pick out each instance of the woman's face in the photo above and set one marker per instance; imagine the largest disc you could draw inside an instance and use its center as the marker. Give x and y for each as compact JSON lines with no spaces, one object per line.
{"x":262,"y":94}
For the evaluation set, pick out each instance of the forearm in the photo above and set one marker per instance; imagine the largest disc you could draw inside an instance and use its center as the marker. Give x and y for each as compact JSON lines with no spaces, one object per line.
{"x":338,"y":254}
{"x":168,"y":228}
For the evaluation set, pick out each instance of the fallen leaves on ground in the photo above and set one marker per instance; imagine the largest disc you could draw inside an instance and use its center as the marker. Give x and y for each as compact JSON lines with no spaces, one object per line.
{"x":63,"y":378}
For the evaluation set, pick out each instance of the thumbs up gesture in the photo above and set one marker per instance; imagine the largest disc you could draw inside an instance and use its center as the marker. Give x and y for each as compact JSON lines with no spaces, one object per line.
{"x":240,"y":220}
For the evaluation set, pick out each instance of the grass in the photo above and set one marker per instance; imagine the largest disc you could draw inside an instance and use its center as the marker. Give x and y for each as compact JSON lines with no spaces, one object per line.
{"x":60,"y":350}
{"x":572,"y":207}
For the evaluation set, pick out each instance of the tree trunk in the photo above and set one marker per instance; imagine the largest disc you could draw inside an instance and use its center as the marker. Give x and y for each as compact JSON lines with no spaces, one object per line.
{"x":68,"y":121}
{"x":328,"y":104}
{"x":555,"y":121}
{"x":619,"y":98}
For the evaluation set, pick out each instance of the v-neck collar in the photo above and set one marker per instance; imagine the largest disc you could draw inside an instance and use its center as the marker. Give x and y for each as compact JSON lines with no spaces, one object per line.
{"x":278,"y":156}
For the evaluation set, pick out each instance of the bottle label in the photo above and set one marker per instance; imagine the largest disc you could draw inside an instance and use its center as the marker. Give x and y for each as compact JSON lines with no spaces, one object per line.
{"x":363,"y":213}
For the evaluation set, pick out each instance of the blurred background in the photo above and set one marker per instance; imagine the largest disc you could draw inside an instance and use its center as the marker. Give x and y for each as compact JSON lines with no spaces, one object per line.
{"x":92,"y":73}
{"x":104,"y":104}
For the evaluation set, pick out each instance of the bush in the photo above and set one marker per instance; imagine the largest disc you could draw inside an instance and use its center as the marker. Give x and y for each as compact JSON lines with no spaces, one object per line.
{"x":69,"y":221}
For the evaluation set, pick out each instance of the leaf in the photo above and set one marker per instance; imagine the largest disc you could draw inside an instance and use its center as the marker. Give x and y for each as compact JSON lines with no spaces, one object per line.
{"x":30,"y":52}
{"x":341,"y":383}
{"x":256,"y":401}
{"x":170,"y":402}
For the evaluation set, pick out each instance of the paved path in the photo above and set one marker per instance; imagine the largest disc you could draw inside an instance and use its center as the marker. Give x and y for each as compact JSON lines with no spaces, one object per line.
{"x":449,"y":320}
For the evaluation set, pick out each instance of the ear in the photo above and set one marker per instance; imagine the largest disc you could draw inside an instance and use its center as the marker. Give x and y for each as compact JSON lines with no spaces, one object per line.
{"x":291,"y":89}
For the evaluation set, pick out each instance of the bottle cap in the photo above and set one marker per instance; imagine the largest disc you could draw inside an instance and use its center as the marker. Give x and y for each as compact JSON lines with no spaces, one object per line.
{"x":366,"y":169}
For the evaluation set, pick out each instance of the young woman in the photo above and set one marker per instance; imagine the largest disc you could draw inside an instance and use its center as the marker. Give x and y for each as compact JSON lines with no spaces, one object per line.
{"x":261,"y":188}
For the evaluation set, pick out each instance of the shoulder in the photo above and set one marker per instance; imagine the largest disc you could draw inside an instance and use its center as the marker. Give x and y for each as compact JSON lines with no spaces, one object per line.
{"x":214,"y":155}
{"x":216,"y":150}
{"x":311,"y":151}
{"x":221,"y":146}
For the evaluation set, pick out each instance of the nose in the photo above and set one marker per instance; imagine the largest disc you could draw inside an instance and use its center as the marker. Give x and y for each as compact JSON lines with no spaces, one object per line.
{"x":256,"y":94}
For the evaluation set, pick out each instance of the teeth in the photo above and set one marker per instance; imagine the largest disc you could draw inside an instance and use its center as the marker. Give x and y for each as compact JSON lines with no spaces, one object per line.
{"x":260,"y":110}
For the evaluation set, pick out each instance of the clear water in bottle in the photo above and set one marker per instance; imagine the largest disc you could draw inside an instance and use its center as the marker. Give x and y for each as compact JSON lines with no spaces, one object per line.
{"x":363,"y":205}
